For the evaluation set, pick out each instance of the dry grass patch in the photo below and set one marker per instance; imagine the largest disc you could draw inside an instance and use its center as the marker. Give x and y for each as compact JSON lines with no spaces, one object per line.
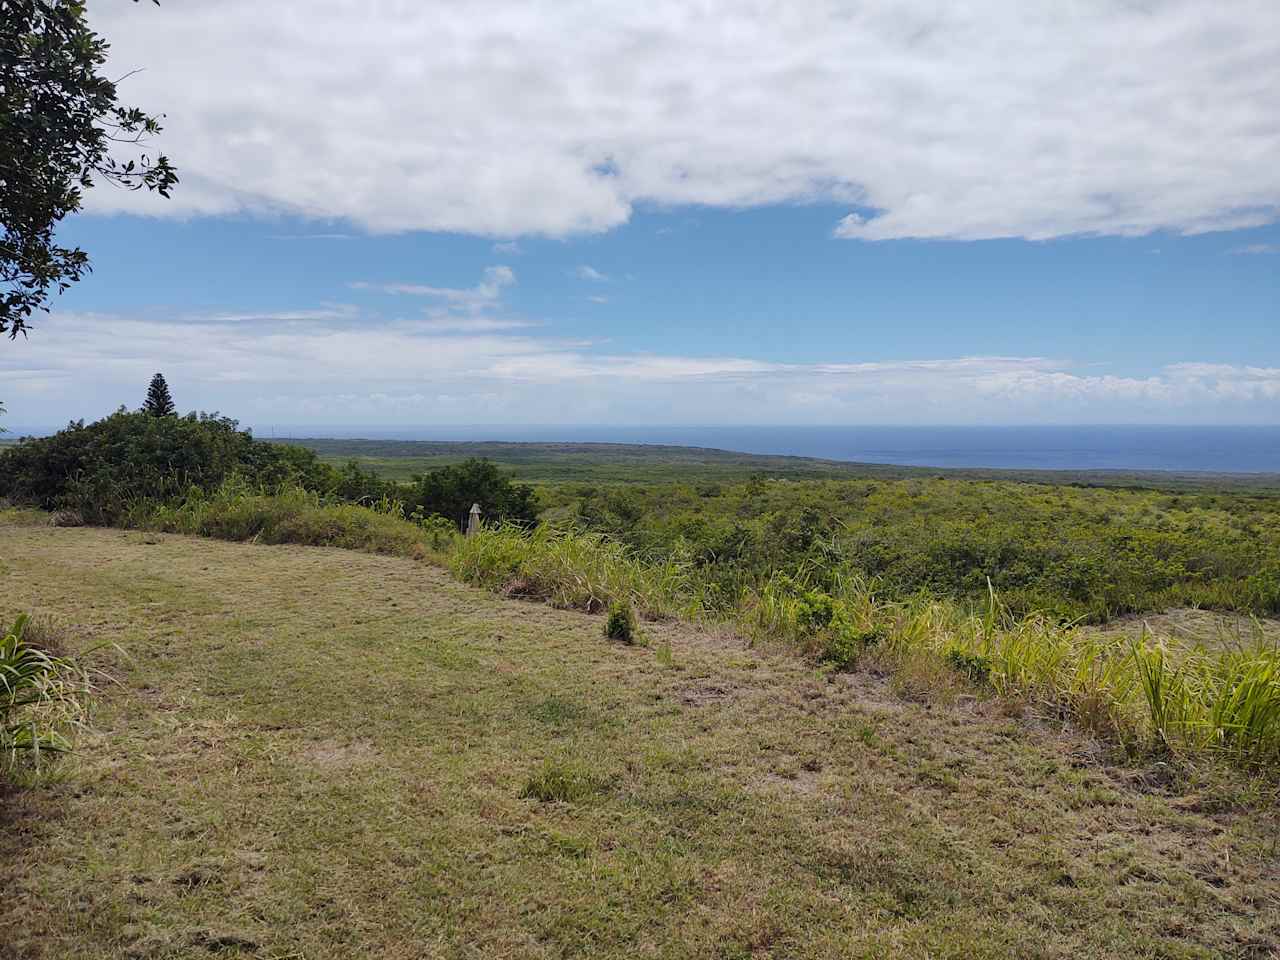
{"x":323,"y":754}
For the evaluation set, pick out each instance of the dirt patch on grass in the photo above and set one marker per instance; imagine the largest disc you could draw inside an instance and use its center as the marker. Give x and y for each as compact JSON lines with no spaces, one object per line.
{"x":339,"y":755}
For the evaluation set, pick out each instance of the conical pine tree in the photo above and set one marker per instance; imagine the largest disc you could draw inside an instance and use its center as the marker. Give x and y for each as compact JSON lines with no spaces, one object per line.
{"x":159,"y":403}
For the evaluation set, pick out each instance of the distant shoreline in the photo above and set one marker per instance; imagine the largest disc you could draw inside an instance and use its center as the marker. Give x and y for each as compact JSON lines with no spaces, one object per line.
{"x":602,"y":461}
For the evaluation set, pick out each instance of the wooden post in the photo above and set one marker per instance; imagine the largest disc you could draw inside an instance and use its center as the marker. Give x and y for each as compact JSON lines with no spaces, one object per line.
{"x":473,"y":519}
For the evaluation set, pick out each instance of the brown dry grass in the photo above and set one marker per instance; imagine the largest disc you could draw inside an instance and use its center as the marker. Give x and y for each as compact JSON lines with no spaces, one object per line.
{"x":315,"y":753}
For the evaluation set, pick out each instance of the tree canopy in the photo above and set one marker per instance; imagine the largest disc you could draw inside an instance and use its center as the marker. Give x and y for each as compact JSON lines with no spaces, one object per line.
{"x":61,"y":129}
{"x":450,"y":491}
{"x":159,"y":403}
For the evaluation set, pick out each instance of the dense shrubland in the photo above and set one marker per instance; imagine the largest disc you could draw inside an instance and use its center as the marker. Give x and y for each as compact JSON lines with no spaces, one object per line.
{"x":1066,"y":552}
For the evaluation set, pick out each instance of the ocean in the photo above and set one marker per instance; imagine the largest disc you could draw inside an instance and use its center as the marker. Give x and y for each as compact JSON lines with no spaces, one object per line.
{"x":1234,"y":449}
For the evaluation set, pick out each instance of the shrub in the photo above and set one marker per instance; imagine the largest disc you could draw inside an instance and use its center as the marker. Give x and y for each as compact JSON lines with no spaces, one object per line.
{"x":974,"y":666}
{"x":43,"y":697}
{"x":450,"y":491}
{"x":844,"y":647}
{"x":101,"y":470}
{"x":441,"y":531}
{"x":621,"y":624}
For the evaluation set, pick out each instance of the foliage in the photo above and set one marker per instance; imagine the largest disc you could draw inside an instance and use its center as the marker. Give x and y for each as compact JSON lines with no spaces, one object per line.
{"x":60,"y":123}
{"x":159,"y":402}
{"x":1071,"y":552}
{"x":572,"y":569}
{"x":42,"y":697}
{"x":103,"y":469}
{"x":450,"y":491}
{"x":238,"y":511}
{"x":621,"y":623}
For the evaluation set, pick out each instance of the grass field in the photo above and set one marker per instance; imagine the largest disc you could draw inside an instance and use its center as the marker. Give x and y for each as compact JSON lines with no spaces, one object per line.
{"x":313,"y":753}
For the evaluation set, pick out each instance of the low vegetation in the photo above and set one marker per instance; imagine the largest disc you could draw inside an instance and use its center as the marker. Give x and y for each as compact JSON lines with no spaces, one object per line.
{"x":328,"y":754}
{"x":939,"y":581}
{"x":1066,"y":552}
{"x":43,"y":697}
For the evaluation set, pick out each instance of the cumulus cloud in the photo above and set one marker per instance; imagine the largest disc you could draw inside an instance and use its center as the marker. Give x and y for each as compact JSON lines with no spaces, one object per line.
{"x":985,"y":119}
{"x":482,"y":368}
{"x":586,"y":272}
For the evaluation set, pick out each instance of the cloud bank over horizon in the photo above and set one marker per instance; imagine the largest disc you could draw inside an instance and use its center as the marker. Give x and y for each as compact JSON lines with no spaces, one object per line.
{"x":318,"y":366}
{"x":992,"y":119}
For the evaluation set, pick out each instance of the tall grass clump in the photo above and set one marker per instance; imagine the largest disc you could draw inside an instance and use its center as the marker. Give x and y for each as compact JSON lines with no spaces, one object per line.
{"x":574,"y":570}
{"x":1139,"y":692}
{"x":43,"y":697}
{"x":237,"y":510}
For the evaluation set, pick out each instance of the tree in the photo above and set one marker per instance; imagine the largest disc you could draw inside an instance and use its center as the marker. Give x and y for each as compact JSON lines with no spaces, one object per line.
{"x":60,"y":123}
{"x":159,"y":403}
{"x":450,"y":492}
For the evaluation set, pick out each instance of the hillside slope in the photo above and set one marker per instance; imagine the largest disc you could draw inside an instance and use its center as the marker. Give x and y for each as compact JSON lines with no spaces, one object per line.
{"x":322,"y":754}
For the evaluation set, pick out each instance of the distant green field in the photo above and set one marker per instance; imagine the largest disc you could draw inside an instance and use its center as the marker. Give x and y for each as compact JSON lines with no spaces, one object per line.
{"x":557,"y":463}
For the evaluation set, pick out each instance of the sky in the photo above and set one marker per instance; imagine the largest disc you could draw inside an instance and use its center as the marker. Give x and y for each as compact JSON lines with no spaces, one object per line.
{"x":407,"y":214}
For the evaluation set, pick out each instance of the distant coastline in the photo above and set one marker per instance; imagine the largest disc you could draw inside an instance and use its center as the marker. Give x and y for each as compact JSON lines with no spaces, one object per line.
{"x":1219,"y":449}
{"x":1090,"y":448}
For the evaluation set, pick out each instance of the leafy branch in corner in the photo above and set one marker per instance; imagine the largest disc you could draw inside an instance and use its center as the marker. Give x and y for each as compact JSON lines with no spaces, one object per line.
{"x":61,"y":127}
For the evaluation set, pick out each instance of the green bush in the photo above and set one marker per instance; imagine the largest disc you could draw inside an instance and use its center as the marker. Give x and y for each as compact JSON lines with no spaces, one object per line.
{"x":974,"y":666}
{"x":103,"y":469}
{"x":621,"y":624}
{"x":450,"y":491}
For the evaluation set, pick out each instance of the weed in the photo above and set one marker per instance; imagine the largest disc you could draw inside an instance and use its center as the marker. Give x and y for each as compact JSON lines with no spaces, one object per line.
{"x":43,"y":697}
{"x":621,"y":624}
{"x":974,"y":666}
{"x":563,"y":782}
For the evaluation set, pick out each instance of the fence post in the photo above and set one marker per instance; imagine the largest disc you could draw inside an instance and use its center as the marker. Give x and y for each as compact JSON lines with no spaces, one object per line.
{"x":473,"y":519}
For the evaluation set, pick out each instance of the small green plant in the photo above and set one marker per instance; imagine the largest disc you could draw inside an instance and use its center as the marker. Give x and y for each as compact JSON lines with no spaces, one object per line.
{"x":440,"y":531}
{"x":563,"y":782}
{"x":621,"y":624}
{"x":42,"y":697}
{"x":844,"y":646}
{"x":974,"y":666}
{"x":664,"y":655}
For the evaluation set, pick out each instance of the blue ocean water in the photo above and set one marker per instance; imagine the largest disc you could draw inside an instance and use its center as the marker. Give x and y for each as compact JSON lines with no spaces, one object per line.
{"x":1235,"y":449}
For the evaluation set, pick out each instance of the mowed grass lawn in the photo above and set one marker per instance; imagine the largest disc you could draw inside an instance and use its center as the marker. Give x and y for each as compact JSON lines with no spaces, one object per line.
{"x":313,"y":753}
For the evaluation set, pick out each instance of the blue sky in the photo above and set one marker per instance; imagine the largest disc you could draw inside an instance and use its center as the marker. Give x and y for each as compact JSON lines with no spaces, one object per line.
{"x":874,"y":220}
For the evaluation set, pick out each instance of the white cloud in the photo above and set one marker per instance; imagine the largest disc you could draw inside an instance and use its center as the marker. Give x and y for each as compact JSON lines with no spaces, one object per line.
{"x":485,"y":293}
{"x":598,"y":299}
{"x":510,"y":247}
{"x":282,"y":371}
{"x":586,"y":272}
{"x":1256,"y":249}
{"x":503,"y":117}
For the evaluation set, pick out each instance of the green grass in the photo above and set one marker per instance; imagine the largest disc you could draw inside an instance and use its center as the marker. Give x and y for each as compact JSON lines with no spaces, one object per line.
{"x":324,"y":754}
